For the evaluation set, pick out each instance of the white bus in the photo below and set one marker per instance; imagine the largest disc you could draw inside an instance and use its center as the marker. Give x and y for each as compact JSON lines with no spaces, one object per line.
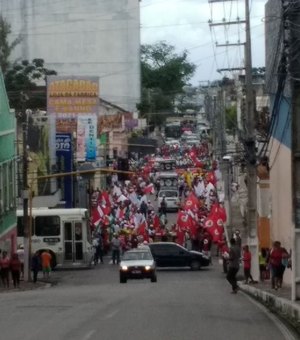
{"x":64,"y":232}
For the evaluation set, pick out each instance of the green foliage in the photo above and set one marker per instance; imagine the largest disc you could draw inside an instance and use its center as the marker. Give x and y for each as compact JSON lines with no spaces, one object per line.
{"x":5,"y":47}
{"x":21,"y":78}
{"x":21,"y":84}
{"x":231,"y":119}
{"x":164,"y":74}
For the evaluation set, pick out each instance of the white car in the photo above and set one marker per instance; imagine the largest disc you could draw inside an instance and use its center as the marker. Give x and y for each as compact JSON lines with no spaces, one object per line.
{"x":138,"y":264}
{"x":171,"y":197}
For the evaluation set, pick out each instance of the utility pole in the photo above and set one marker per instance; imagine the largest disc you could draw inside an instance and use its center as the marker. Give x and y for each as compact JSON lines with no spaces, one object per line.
{"x":292,"y":8}
{"x":248,"y":139}
{"x":251,"y":152}
{"x":25,"y":195}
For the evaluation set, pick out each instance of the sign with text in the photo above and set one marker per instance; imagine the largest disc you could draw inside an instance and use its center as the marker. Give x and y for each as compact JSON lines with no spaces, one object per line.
{"x":86,"y":138}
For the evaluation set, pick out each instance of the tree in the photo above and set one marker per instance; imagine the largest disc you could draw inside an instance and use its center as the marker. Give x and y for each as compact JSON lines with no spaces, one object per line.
{"x":164,"y":74}
{"x":231,"y":119}
{"x":22,"y":78}
{"x":21,"y":82}
{"x":5,"y":47}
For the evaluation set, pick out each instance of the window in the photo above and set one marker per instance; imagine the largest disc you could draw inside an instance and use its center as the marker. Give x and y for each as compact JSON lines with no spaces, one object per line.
{"x":20,"y":227}
{"x":47,"y":226}
{"x":5,"y":187}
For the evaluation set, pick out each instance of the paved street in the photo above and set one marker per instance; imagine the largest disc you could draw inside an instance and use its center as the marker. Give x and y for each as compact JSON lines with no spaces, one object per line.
{"x":92,"y":304}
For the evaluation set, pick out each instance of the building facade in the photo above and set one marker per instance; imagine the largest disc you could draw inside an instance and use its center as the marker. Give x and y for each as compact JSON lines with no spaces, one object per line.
{"x":8,"y":220}
{"x":279,"y":145}
{"x":82,"y":38}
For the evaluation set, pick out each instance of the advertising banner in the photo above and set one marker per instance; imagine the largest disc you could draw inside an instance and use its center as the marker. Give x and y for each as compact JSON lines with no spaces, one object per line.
{"x":109,"y":122}
{"x":67,"y":97}
{"x":64,"y":150}
{"x":86,"y":138}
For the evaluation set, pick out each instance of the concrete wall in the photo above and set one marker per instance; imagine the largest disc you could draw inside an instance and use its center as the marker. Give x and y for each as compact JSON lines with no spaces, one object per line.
{"x":281,"y":197}
{"x":82,"y":37}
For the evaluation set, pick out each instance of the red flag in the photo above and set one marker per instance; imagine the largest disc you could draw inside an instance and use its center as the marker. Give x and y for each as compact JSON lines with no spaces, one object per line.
{"x":191,"y":202}
{"x":143,"y":231}
{"x":183,"y":220}
{"x":156,"y":222}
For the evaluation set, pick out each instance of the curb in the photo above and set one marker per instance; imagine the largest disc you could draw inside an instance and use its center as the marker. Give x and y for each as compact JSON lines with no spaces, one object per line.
{"x":287,"y":310}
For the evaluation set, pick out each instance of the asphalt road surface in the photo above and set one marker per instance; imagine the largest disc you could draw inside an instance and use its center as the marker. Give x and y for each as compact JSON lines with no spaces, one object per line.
{"x":93,"y":305}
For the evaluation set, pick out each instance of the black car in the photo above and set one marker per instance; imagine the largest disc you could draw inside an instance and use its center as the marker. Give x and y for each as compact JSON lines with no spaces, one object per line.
{"x":169,"y":254}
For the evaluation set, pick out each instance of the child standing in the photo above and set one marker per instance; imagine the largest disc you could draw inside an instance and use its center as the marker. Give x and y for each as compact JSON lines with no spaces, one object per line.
{"x":247,"y":264}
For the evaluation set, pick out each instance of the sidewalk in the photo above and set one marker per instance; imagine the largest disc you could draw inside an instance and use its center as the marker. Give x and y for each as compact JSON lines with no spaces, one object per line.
{"x":277,"y":301}
{"x":24,"y":285}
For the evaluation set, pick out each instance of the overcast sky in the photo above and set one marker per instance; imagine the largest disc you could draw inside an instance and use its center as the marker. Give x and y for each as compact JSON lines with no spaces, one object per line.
{"x":184,"y":24}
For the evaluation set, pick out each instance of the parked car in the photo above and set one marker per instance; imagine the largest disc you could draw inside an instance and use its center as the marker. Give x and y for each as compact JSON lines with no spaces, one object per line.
{"x":171,"y":197}
{"x":138,"y":264}
{"x":170,"y":254}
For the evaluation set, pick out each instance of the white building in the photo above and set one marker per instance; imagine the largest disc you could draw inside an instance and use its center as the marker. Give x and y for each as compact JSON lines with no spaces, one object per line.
{"x":82,"y":38}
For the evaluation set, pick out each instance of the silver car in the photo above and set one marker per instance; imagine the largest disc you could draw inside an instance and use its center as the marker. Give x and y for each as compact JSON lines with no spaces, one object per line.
{"x":138,"y":264}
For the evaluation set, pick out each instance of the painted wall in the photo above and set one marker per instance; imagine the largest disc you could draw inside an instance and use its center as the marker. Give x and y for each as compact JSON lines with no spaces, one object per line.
{"x":83,"y":37}
{"x":7,"y":173}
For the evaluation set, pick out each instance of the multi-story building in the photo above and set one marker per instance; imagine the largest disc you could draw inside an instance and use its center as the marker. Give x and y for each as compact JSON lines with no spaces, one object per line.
{"x":82,"y":38}
{"x":8,"y":220}
{"x":279,"y":138}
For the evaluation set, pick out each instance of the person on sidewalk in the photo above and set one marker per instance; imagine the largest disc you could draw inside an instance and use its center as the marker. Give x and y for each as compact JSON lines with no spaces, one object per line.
{"x":247,"y":264}
{"x":233,"y":265}
{"x":35,"y":265}
{"x":46,"y":263}
{"x":15,"y":267}
{"x":4,"y":265}
{"x":275,"y":262}
{"x":263,"y":272}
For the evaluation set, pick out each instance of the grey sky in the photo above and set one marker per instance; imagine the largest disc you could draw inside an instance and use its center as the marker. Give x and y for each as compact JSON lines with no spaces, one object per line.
{"x":184,"y":24}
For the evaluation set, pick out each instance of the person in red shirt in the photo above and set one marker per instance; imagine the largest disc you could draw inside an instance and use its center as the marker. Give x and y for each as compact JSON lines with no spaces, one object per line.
{"x":247,"y":264}
{"x":15,"y":267}
{"x":275,"y":261}
{"x":4,"y":266}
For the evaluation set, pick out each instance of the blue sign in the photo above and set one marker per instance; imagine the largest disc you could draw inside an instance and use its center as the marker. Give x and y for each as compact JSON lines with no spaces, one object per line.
{"x":64,"y":150}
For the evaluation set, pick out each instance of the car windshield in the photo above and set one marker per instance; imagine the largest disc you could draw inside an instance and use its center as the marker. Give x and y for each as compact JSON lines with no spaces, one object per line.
{"x":168,"y":194}
{"x":133,"y":256}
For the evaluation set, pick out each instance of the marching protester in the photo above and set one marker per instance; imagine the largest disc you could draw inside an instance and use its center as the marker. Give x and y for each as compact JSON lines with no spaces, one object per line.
{"x":116,"y":248}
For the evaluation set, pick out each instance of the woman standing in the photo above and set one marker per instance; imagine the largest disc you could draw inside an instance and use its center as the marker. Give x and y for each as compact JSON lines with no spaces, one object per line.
{"x":4,"y":265}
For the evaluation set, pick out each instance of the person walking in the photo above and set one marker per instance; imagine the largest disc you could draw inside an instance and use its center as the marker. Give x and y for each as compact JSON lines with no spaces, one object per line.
{"x":4,"y":265}
{"x":233,"y":265}
{"x":35,"y":265}
{"x":247,"y":264}
{"x":46,"y":263}
{"x":15,"y":267}
{"x":116,"y":245}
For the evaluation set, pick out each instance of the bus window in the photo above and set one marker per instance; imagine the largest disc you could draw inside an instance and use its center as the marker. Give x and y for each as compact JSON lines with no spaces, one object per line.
{"x":20,"y":227}
{"x":47,"y":226}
